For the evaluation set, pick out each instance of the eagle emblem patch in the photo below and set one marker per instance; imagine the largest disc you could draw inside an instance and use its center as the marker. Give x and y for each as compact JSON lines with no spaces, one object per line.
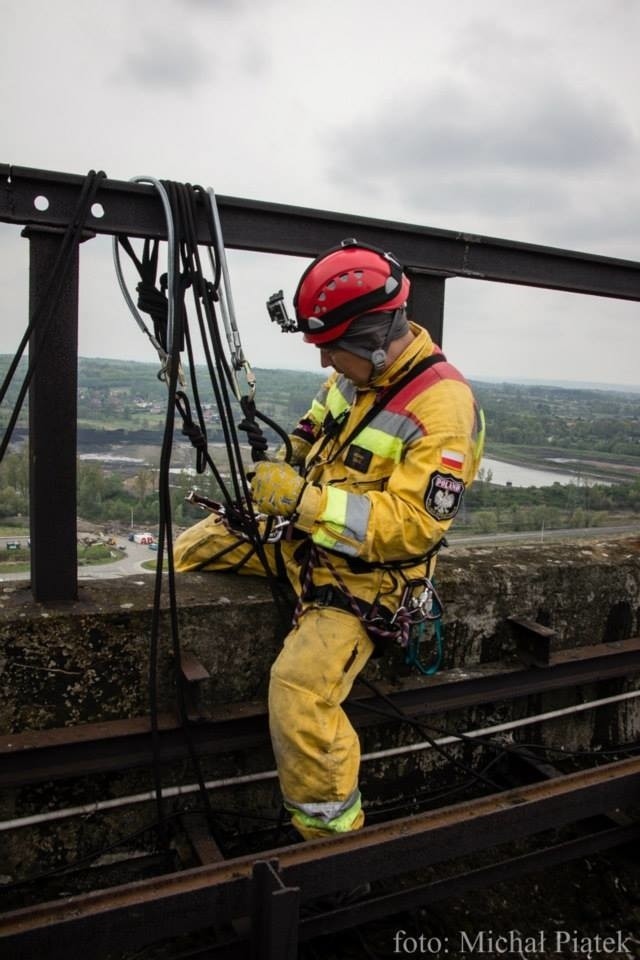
{"x":443,"y":496}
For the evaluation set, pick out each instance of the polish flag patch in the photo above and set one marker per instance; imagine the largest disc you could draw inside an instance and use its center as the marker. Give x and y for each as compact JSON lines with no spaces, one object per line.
{"x":453,"y":459}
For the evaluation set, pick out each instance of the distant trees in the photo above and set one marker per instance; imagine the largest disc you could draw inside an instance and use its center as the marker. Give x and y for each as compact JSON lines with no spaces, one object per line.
{"x":106,"y":496}
{"x":595,"y":421}
{"x":118,"y":400}
{"x":490,"y":508}
{"x":144,"y":483}
{"x":14,"y":484}
{"x":101,"y":495}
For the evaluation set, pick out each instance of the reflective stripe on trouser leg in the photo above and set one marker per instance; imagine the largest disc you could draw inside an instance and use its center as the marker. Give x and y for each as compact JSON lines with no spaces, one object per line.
{"x":316,"y":748}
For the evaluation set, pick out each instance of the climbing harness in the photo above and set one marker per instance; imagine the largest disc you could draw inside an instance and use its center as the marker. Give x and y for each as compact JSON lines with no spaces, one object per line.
{"x":419,"y":605}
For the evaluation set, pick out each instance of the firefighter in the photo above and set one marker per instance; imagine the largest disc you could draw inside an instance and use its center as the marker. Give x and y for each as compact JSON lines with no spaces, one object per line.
{"x":380,"y":465}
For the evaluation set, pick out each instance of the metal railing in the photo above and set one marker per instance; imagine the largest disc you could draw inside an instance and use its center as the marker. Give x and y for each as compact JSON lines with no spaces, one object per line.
{"x":271,"y":889}
{"x":45,"y":201}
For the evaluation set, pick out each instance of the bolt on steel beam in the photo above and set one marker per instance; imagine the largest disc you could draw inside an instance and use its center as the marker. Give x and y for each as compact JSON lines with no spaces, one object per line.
{"x":274,"y":914}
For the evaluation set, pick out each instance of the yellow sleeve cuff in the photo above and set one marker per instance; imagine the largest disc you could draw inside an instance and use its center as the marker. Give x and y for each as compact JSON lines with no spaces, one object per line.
{"x":311,"y":505}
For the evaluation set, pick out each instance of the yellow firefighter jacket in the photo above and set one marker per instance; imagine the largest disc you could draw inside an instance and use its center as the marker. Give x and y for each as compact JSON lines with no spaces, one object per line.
{"x":392,"y":491}
{"x":384,"y":498}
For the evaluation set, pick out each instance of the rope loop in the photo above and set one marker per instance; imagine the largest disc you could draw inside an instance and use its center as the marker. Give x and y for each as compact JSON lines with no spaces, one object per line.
{"x":192,"y":430}
{"x":256,"y":438}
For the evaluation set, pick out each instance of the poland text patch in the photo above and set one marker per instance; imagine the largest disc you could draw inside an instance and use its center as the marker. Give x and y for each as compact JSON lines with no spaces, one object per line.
{"x":443,"y":496}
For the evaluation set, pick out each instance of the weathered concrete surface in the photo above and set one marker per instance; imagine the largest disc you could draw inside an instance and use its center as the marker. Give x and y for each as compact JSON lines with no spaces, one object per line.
{"x":587,"y":591}
{"x":88,"y":661}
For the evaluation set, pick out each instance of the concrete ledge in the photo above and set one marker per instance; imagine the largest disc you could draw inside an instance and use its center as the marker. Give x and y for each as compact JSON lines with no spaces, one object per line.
{"x":88,"y":661}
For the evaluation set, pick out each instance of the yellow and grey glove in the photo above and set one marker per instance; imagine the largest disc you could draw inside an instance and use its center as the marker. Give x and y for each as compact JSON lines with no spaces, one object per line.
{"x":276,"y":488}
{"x":299,"y":450}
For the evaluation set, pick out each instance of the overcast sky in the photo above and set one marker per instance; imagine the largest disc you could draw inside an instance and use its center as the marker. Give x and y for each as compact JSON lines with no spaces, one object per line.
{"x":499,"y":117}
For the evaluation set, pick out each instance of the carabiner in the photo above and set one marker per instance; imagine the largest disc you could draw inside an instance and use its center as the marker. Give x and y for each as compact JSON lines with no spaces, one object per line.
{"x":425,"y":606}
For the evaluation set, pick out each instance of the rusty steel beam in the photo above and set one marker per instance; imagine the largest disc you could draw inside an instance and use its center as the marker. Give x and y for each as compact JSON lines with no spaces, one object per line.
{"x":274,"y":915}
{"x":410,"y":898}
{"x":567,"y":668}
{"x":138,"y":914}
{"x":64,"y":752}
{"x":53,"y":414}
{"x":60,"y":753}
{"x":135,"y":210}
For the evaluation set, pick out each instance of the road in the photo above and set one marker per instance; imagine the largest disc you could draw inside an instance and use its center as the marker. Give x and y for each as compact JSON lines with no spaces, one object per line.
{"x":131,"y":563}
{"x":544,"y":536}
{"x":137,"y":553}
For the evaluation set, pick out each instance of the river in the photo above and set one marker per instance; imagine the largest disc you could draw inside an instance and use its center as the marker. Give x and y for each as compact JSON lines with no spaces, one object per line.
{"x":509,"y":473}
{"x":503,"y":473}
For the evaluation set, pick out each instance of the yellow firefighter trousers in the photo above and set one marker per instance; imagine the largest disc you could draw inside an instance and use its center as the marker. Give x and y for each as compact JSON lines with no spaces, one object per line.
{"x":317,"y":751}
{"x":316,"y":748}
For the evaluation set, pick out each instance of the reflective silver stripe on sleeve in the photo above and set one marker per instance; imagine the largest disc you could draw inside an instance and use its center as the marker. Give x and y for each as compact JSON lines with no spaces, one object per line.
{"x":357,"y":517}
{"x":347,"y":515}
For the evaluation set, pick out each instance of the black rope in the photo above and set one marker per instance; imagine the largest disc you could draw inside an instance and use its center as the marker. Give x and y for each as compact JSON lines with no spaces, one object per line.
{"x":400,"y":715}
{"x":192,"y":430}
{"x":256,"y":438}
{"x":165,"y":525}
{"x":284,"y":436}
{"x":425,"y":798}
{"x":43,"y":314}
{"x":217,"y":367}
{"x":189,"y":276}
{"x":205,"y":295}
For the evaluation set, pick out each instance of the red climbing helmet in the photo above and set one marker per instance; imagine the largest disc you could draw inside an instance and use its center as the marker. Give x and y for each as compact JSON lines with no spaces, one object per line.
{"x":344,"y":283}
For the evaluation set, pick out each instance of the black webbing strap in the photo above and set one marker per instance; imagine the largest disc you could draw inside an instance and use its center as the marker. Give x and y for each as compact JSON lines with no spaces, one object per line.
{"x":385,"y":398}
{"x":328,"y":595}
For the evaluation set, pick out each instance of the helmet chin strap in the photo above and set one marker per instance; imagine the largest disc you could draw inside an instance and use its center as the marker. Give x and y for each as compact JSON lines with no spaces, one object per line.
{"x":377,"y":357}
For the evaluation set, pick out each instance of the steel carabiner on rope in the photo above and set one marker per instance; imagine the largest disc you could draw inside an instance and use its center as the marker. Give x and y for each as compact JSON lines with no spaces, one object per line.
{"x":163,"y":353}
{"x":422,"y":606}
{"x":227,"y":307}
